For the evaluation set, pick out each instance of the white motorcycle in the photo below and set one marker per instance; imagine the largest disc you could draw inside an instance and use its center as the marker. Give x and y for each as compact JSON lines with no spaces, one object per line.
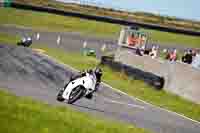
{"x":79,"y":87}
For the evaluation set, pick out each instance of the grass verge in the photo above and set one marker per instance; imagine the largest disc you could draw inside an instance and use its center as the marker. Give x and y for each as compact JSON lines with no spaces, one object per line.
{"x":136,"y":16}
{"x":130,"y":86}
{"x":5,"y":38}
{"x":26,"y":115}
{"x":174,"y":39}
{"x":51,"y":22}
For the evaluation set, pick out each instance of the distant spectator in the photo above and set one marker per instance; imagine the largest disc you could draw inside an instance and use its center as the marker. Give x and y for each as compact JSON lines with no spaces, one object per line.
{"x":165,"y":51}
{"x":143,"y":49}
{"x":147,"y":51}
{"x":183,"y":59}
{"x":173,"y":55}
{"x":198,"y":52}
{"x":138,"y":52}
{"x":167,"y":54}
{"x":187,"y":58}
{"x":153,"y":52}
{"x":196,"y":60}
{"x":194,"y":53}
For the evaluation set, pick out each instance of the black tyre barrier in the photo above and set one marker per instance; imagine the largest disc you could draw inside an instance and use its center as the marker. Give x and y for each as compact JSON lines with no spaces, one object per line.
{"x":150,"y":78}
{"x":105,"y":59}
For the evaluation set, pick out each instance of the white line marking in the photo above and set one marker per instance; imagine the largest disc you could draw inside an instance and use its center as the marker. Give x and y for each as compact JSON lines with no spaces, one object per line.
{"x":122,"y":103}
{"x":180,"y":115}
{"x":17,"y":26}
{"x":151,"y":104}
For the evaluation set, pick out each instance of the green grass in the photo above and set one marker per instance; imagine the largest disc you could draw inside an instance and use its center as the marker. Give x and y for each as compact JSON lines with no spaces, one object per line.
{"x":132,"y":87}
{"x":22,"y":114}
{"x":172,"y":38}
{"x":5,"y":38}
{"x":136,"y":16}
{"x":51,"y":22}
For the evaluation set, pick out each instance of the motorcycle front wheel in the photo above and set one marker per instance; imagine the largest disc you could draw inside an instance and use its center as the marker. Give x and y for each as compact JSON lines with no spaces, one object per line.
{"x":75,"y":94}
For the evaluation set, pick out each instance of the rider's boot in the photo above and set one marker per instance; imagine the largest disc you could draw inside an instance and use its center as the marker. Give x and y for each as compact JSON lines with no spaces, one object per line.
{"x":89,"y":96}
{"x":97,"y":87}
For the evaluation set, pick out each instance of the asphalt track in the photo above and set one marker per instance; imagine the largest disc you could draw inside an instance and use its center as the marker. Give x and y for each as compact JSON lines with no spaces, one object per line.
{"x":70,"y":41}
{"x":27,"y":73}
{"x":75,"y":39}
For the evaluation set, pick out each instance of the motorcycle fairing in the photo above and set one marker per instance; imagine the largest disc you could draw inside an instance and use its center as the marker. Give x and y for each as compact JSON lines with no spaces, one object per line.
{"x":88,"y":82}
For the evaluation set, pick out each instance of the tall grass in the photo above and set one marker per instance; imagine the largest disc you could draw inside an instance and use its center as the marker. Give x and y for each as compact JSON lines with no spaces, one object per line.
{"x":25,"y":115}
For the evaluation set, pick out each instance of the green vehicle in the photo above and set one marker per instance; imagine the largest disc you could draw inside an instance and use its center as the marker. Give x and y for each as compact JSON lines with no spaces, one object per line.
{"x":89,"y":52}
{"x":7,"y":3}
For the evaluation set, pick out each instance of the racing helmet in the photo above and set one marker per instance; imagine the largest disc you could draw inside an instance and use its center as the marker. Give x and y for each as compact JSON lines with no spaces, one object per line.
{"x":90,"y":71}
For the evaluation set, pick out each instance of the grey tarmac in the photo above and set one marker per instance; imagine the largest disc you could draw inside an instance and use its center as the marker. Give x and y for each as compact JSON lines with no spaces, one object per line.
{"x":73,"y":41}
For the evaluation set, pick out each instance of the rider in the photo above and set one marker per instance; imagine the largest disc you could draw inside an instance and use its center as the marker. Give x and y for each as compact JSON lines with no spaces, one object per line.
{"x":98,"y":74}
{"x":96,"y":71}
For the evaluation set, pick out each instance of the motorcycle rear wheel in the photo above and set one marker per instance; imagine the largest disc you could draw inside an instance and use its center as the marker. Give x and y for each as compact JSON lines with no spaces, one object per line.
{"x":59,"y":96}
